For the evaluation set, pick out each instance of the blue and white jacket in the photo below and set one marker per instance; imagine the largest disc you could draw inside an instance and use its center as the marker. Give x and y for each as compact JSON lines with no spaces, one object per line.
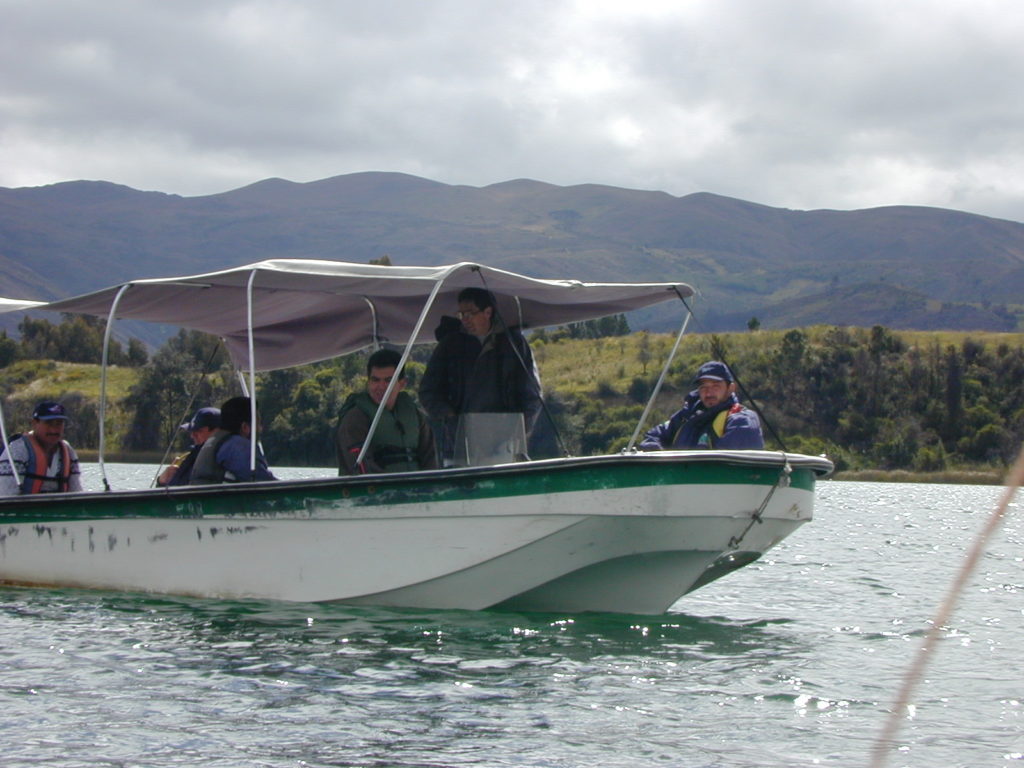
{"x":728,"y":425}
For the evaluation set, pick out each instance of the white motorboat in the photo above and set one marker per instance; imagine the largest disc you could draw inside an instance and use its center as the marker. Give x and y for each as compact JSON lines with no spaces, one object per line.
{"x":630,"y":532}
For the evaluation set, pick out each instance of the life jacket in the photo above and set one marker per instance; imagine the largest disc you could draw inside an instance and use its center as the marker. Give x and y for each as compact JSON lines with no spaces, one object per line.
{"x":36,"y":465}
{"x":716,"y":430}
{"x":396,"y":439}
{"x":206,"y":469}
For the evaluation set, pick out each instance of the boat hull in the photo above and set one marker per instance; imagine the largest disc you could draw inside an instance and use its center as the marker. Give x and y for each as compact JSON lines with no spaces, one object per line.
{"x":627,"y":533}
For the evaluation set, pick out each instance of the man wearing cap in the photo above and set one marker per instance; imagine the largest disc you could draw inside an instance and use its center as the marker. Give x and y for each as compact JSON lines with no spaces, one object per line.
{"x":42,"y":458}
{"x":711,"y":417}
{"x":199,"y":428}
{"x":226,"y":457}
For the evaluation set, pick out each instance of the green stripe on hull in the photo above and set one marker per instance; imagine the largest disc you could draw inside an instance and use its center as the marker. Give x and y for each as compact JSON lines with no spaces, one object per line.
{"x":299,"y":499}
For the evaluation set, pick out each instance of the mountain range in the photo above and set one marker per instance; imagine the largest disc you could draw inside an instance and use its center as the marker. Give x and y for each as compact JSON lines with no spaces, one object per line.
{"x":901,"y":266}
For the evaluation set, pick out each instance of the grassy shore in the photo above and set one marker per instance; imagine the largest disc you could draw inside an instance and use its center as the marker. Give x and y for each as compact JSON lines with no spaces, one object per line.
{"x":950,"y":476}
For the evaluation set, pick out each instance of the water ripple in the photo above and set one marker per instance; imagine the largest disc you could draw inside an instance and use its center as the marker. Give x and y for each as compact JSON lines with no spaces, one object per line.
{"x":792,"y":661}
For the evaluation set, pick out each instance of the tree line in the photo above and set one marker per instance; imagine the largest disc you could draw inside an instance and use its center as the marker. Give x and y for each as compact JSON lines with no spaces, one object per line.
{"x":867,"y":398}
{"x":880,"y":399}
{"x":76,"y":339}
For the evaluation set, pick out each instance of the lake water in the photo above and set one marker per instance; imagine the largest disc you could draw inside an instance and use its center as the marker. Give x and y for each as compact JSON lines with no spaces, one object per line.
{"x":793,"y":661}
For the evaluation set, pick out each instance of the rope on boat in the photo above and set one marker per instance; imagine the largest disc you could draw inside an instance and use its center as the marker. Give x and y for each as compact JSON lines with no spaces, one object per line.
{"x":188,"y":410}
{"x":661,"y":378}
{"x":757,"y":517}
{"x":718,"y":351}
{"x":522,"y":363}
{"x":886,"y":739}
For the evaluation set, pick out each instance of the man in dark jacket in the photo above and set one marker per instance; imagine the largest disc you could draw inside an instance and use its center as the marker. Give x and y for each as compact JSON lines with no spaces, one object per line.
{"x":480,"y":367}
{"x":711,"y":417}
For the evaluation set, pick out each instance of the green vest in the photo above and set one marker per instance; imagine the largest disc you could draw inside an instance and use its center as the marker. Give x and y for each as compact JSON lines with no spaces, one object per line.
{"x":396,"y":440}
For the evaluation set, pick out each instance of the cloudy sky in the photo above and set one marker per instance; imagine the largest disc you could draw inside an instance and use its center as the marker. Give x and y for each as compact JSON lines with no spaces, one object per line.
{"x":794,"y":103}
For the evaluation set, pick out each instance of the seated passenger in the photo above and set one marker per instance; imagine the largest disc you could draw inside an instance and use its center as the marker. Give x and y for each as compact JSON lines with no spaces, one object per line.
{"x":711,"y":417}
{"x":225,"y":457}
{"x":200,"y":427}
{"x":402,"y":441}
{"x":44,"y":460}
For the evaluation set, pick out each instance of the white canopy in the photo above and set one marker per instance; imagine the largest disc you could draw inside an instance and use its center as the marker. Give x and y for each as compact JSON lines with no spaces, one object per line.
{"x":16,"y":305}
{"x":309,"y":310}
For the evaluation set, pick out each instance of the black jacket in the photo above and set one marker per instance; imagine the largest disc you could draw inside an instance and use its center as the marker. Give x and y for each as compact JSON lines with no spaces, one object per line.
{"x":465,"y":376}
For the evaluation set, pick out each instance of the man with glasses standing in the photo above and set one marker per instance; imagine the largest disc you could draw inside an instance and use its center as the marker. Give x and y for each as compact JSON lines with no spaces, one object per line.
{"x":483,"y":366}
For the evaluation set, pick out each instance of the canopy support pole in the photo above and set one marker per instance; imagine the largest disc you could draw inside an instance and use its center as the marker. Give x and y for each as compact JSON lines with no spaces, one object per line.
{"x":401,"y":363}
{"x":374,"y":321}
{"x":661,"y":379}
{"x":103,"y":383}
{"x":499,"y":318}
{"x":7,"y":448}
{"x":252,"y":374}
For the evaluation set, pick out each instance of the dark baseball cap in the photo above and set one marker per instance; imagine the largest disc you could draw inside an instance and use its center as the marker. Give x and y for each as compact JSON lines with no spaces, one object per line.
{"x":713,"y":370}
{"x":49,"y":411}
{"x":204,"y":417}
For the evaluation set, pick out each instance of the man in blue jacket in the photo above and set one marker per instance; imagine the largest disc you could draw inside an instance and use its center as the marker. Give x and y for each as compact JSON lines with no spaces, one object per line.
{"x":226,"y":456}
{"x":711,"y":417}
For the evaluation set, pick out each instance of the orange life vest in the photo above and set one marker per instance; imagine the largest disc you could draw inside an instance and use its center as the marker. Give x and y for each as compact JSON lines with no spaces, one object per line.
{"x":37,"y":464}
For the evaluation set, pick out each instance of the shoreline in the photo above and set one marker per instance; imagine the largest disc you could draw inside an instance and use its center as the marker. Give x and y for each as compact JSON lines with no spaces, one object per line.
{"x":948,"y":477}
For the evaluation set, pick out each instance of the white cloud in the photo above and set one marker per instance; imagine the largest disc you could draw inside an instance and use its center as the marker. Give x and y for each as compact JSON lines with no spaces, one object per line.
{"x":805,"y":104}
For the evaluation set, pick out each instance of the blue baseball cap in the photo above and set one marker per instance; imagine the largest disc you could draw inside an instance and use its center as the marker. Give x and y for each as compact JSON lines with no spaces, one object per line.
{"x":49,"y":411}
{"x":204,"y":417}
{"x":713,"y":370}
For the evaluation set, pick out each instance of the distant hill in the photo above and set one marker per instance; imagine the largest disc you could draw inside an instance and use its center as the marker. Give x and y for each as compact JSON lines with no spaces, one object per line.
{"x":905,"y":267}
